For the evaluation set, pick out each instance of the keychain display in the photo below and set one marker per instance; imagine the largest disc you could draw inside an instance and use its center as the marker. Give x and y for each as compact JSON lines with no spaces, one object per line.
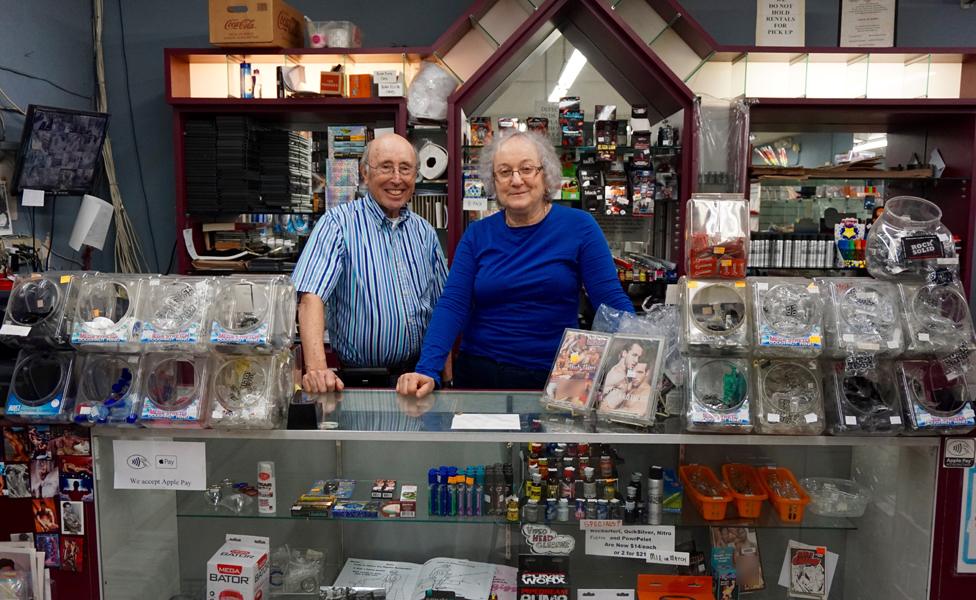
{"x":908,"y":242}
{"x":718,"y":395}
{"x":788,"y":316}
{"x":174,"y":313}
{"x":936,"y":318}
{"x":39,"y":386}
{"x":860,"y":397}
{"x":174,"y":390}
{"x":106,"y":389}
{"x":105,"y":316}
{"x":863,"y":315}
{"x":933,"y":402}
{"x":788,"y":397}
{"x":253,"y":313}
{"x":39,"y":309}
{"x":716,"y":317}
{"x":249,"y":392}
{"x":717,"y":237}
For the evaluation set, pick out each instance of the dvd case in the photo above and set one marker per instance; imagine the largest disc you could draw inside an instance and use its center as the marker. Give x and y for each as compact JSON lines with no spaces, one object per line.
{"x":253,"y":313}
{"x":105,"y":316}
{"x":788,"y":397}
{"x":39,"y":310}
{"x":106,"y":389}
{"x":718,"y":395}
{"x":250,"y":392}
{"x":173,"y":389}
{"x":716,"y":317}
{"x":860,"y":397}
{"x":174,"y":313}
{"x":570,"y":383}
{"x":628,"y":380}
{"x":788,"y":313}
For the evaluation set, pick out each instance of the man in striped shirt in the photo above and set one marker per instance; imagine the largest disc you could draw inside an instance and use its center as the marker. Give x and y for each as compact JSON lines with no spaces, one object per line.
{"x":378,"y":268}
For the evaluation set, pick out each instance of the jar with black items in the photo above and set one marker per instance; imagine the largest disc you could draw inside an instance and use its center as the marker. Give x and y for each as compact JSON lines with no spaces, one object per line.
{"x":909,"y":241}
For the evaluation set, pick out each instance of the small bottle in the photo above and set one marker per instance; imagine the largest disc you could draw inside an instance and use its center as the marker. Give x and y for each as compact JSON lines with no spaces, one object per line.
{"x":479,"y":492}
{"x":535,"y":490}
{"x":256,"y":83}
{"x":580,"y":509}
{"x":602,"y":509}
{"x":531,"y":511}
{"x":609,"y":489}
{"x":583,"y":449}
{"x":551,"y":509}
{"x":552,"y":486}
{"x":562,"y":511}
{"x":568,"y":483}
{"x":544,"y":467}
{"x":635,"y":482}
{"x":512,"y":509}
{"x":266,"y":488}
{"x":606,"y":466}
{"x":630,"y":511}
{"x":470,"y":496}
{"x":655,"y":495}
{"x":452,"y":487}
{"x":247,"y":91}
{"x":432,"y":492}
{"x":589,"y":486}
{"x":616,"y":509}
{"x":500,"y":494}
{"x":591,"y":508}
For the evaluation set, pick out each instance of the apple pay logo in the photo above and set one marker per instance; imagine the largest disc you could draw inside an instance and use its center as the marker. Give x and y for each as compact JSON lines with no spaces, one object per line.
{"x":165,"y":461}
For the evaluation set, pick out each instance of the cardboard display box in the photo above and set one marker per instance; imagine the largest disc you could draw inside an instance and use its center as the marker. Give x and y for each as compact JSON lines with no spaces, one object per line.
{"x":256,"y":23}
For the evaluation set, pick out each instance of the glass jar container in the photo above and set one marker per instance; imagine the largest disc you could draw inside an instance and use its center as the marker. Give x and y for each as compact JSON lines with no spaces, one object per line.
{"x":909,"y":242}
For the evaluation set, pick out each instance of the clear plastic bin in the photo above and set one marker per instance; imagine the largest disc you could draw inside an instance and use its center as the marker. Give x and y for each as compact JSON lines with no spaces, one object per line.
{"x":788,"y":397}
{"x":717,"y":317}
{"x":934,"y":403}
{"x":39,"y":310}
{"x":333,"y":34}
{"x":936,"y":318}
{"x":861,"y":399}
{"x":831,"y":497}
{"x":253,"y":314}
{"x":174,"y":390}
{"x":106,"y":389}
{"x":788,"y":316}
{"x":106,"y":313}
{"x":863,"y":316}
{"x":174,"y":313}
{"x":717,"y":237}
{"x":718,"y":396}
{"x":39,"y":389}
{"x":250,"y":392}
{"x":909,"y":242}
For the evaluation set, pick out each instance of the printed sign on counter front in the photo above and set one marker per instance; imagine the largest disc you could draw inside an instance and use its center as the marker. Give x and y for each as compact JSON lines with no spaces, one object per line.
{"x":158,"y":465}
{"x":543,"y":540}
{"x":630,"y":542}
{"x":586,"y":524}
{"x":960,"y":453}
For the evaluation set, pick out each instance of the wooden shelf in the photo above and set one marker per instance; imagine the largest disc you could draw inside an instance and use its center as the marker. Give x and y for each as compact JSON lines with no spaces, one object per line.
{"x":802,"y":173}
{"x":325,"y":101}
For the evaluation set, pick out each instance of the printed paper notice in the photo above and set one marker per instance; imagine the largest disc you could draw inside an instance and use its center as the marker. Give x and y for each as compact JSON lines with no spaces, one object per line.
{"x":780,"y":22}
{"x":486,"y":422}
{"x":867,"y":23}
{"x":630,"y":542}
{"x":608,"y":594}
{"x":158,"y":465}
{"x":32,"y":198}
{"x":668,"y":558}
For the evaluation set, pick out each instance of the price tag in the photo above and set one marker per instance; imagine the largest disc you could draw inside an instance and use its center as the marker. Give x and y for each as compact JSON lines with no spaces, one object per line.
{"x":692,"y":284}
{"x":762,"y":286}
{"x":892,"y":344}
{"x":923,"y":337}
{"x":896,"y":420}
{"x":740,"y":284}
{"x":815,"y":339}
{"x":810,"y":418}
{"x":850,"y":420}
{"x":719,"y":250}
{"x":952,"y":260}
{"x":772,"y":418}
{"x":65,"y":278}
{"x":153,"y":282}
{"x":17,"y":330}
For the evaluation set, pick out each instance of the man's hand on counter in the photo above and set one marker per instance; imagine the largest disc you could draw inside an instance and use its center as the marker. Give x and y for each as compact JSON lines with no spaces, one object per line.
{"x":415,"y":384}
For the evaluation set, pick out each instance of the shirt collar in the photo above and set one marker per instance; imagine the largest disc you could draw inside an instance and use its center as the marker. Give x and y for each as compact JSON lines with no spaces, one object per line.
{"x":377,"y":212}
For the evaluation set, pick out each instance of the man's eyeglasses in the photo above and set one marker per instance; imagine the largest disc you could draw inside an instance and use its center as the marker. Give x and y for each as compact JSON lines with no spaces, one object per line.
{"x":389,"y":168}
{"x":506,"y":174}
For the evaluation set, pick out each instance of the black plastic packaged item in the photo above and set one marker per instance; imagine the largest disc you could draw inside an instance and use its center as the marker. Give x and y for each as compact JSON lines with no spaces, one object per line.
{"x":860,"y":397}
{"x":788,"y":397}
{"x":39,"y":309}
{"x":933,"y":402}
{"x":39,"y":389}
{"x":106,"y":389}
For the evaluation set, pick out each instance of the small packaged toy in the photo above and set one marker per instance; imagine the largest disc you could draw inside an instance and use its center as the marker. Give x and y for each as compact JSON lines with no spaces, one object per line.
{"x":718,"y":395}
{"x":788,"y":316}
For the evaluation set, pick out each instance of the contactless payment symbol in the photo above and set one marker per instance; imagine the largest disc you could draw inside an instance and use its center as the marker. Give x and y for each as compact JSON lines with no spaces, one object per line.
{"x":137,"y":461}
{"x":960,"y":453}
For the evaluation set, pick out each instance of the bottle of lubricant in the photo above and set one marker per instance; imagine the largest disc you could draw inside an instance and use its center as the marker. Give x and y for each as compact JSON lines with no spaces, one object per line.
{"x":266,"y":488}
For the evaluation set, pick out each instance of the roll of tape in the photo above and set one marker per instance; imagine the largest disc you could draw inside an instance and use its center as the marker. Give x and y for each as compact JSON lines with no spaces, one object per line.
{"x":433,"y":161}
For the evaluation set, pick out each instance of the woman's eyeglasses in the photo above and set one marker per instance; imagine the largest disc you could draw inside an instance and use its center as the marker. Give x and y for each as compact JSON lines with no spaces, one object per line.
{"x":506,"y":174}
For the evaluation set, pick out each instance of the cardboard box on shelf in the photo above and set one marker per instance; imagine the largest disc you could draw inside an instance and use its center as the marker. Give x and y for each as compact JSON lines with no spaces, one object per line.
{"x":332,"y":83}
{"x":256,"y":23}
{"x":360,"y":86}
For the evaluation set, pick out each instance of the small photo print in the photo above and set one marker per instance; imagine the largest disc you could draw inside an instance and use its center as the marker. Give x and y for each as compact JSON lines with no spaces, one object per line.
{"x":808,"y":572}
{"x":40,"y":441}
{"x":45,"y":515}
{"x":72,"y":553}
{"x":72,"y":443}
{"x":16,"y":444}
{"x":76,"y":478}
{"x":50,"y":545}
{"x":72,"y":518}
{"x":748,"y":567}
{"x":16,"y":479}
{"x":45,"y":482}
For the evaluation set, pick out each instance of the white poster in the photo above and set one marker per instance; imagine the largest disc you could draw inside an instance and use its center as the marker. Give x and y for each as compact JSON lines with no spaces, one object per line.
{"x":966,"y":562}
{"x":867,"y":23}
{"x":156,"y":465}
{"x":780,"y":22}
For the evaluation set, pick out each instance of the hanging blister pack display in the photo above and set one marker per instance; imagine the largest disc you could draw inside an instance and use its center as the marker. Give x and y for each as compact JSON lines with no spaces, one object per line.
{"x":250,"y":392}
{"x":106,"y":389}
{"x":936,"y":318}
{"x":788,"y":397}
{"x":718,"y":395}
{"x":39,"y":386}
{"x":862,"y":316}
{"x":39,"y":309}
{"x":174,"y":313}
{"x":908,"y":242}
{"x":174,"y":390}
{"x":860,"y":397}
{"x":933,"y":402}
{"x":105,"y":316}
{"x":716,"y":317}
{"x":253,"y":313}
{"x":788,"y":316}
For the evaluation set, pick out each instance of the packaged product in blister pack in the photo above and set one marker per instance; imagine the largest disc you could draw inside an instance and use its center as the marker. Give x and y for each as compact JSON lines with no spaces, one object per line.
{"x":717,"y":237}
{"x":933,"y":402}
{"x":570,"y":383}
{"x":39,"y":388}
{"x":936,"y":318}
{"x":105,"y":316}
{"x":860,"y":397}
{"x":788,"y":397}
{"x":718,"y":395}
{"x":627,"y":384}
{"x":39,"y":310}
{"x":788,"y":316}
{"x":174,"y":313}
{"x":174,"y":390}
{"x":250,"y":392}
{"x":908,"y":242}
{"x":106,"y":389}
{"x":253,"y":313}
{"x":862,"y":316}
{"x":716,"y":317}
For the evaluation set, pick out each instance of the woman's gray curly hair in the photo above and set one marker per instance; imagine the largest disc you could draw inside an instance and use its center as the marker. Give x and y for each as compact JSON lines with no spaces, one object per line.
{"x":551,"y":168}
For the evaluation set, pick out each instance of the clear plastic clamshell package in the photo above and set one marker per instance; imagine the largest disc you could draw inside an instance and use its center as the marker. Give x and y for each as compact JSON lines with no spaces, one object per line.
{"x":717,"y":237}
{"x":39,"y":389}
{"x":174,"y":390}
{"x":933,"y":402}
{"x":250,"y":392}
{"x":106,"y":389}
{"x":862,"y":315}
{"x":174,"y":313}
{"x":39,"y":310}
{"x":936,"y":318}
{"x":788,"y":318}
{"x":105,"y":316}
{"x":908,"y":242}
{"x":716,"y":317}
{"x":718,"y":395}
{"x":253,"y":313}
{"x":788,"y":397}
{"x":860,"y":397}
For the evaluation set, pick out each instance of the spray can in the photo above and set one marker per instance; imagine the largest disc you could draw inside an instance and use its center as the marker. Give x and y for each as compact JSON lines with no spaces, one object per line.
{"x":655,"y":495}
{"x":266,"y":488}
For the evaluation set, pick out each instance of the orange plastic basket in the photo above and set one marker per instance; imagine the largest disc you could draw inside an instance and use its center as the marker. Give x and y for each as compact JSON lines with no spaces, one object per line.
{"x":776,"y":480}
{"x":712,"y":506}
{"x":746,"y":488}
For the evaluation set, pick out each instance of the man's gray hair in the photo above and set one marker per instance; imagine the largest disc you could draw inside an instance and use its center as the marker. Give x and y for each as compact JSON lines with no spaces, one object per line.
{"x":551,"y":167}
{"x":364,"y":160}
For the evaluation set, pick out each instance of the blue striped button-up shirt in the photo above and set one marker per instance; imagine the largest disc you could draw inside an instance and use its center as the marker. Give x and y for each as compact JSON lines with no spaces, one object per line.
{"x":379,"y":278}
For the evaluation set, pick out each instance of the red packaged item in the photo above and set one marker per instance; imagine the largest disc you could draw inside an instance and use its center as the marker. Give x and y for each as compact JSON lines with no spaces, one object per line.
{"x":664,"y":587}
{"x":717,"y":236}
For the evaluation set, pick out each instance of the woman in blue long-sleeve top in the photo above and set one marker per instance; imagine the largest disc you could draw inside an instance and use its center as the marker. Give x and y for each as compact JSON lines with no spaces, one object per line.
{"x":515,"y":281}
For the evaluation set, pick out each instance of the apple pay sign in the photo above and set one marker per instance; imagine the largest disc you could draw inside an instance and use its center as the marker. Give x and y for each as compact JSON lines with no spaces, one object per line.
{"x":159,"y":465}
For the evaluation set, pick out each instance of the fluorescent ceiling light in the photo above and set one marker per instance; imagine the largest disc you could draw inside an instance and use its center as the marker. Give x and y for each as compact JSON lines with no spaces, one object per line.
{"x":571,"y":71}
{"x":871,"y":145}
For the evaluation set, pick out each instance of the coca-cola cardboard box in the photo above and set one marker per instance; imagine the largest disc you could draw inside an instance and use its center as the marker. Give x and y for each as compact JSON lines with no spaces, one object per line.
{"x":256,"y":23}
{"x":240,"y":570}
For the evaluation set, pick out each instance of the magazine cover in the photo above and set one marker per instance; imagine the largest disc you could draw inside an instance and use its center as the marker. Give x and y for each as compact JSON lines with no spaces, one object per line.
{"x":481,"y":130}
{"x":808,"y":572}
{"x":748,"y":566}
{"x":627,"y":387}
{"x":577,"y":363}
